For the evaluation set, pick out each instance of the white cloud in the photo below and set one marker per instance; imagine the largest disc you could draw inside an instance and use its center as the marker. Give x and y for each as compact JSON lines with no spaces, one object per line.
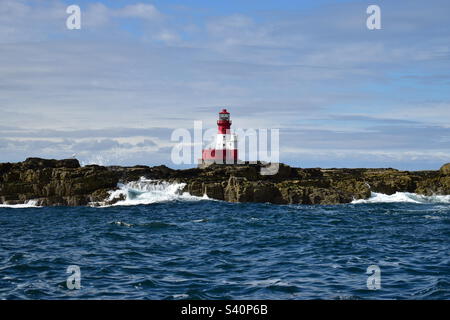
{"x":39,"y":20}
{"x":140,"y":10}
{"x":289,"y":70}
{"x":96,"y":15}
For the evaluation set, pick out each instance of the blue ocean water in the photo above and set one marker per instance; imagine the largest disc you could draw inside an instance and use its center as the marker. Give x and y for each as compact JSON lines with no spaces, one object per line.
{"x":187,"y":248}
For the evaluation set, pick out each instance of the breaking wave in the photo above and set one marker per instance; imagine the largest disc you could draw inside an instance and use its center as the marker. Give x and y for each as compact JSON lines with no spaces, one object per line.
{"x":403,"y":197}
{"x":28,"y":204}
{"x":146,"y":191}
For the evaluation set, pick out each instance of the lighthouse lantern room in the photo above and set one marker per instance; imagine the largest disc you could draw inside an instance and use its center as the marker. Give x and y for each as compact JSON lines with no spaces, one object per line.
{"x":225,"y":151}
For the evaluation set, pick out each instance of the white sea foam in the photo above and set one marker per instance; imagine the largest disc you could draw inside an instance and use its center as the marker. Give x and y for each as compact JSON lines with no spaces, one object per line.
{"x":28,"y":204}
{"x":147,"y":191}
{"x":267,"y":282}
{"x":403,"y":197}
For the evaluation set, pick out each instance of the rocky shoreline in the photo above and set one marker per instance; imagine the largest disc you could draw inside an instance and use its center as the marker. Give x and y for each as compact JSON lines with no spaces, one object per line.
{"x":66,"y":183}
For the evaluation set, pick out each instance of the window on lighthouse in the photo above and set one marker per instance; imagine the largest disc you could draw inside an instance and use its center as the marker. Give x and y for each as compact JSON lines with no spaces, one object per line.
{"x":224,"y":116}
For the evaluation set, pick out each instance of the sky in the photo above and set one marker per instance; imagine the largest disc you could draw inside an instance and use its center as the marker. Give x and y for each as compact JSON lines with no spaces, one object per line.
{"x":113,"y":92}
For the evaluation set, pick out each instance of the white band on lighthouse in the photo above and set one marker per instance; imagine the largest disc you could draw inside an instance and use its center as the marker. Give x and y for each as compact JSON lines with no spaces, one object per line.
{"x":226,"y":141}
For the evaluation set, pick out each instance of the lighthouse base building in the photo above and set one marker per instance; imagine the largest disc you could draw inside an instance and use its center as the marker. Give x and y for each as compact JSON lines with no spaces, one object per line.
{"x":225,"y":151}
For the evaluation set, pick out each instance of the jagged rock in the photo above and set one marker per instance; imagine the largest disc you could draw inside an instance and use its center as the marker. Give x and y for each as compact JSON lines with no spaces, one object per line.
{"x":238,"y":189}
{"x":445,"y":169}
{"x":195,"y":188}
{"x":292,"y":192}
{"x":214,"y":190}
{"x":54,"y":182}
{"x":65,"y":183}
{"x":267,"y":192}
{"x":35,"y":163}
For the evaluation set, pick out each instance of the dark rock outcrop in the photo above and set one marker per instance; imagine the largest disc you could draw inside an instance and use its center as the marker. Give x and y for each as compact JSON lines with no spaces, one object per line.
{"x":445,"y":169}
{"x":54,"y":182}
{"x":66,"y":183}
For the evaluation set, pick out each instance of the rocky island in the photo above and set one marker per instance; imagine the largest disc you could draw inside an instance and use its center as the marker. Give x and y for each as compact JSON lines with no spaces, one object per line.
{"x":66,"y":183}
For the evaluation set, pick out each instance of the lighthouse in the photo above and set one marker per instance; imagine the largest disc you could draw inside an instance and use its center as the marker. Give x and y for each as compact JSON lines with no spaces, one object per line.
{"x":225,"y":151}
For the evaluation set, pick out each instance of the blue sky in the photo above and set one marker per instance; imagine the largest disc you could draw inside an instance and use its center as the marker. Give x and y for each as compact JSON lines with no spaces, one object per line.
{"x":112,"y":92}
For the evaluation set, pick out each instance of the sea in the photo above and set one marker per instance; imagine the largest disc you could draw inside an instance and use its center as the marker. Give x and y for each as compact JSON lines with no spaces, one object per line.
{"x":160,"y":243}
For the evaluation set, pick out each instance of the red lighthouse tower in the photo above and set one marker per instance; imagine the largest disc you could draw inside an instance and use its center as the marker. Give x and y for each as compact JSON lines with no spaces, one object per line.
{"x":226,"y":143}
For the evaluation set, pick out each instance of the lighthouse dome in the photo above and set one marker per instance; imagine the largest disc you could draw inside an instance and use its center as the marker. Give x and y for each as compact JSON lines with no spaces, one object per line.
{"x":224,"y":115}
